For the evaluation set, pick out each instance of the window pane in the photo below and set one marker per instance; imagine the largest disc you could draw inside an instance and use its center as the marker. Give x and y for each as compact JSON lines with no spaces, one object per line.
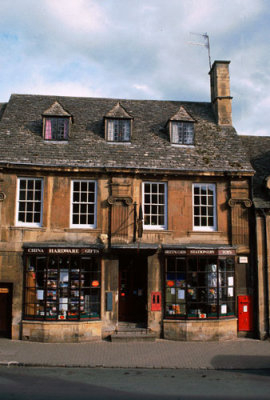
{"x":76,"y":186}
{"x":203,"y":205}
{"x":30,"y":201}
{"x":154,"y":204}
{"x":83,"y":206}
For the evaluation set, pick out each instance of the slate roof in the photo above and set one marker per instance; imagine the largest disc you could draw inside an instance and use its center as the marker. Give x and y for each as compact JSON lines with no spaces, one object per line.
{"x":216,"y":149}
{"x":258,"y":150}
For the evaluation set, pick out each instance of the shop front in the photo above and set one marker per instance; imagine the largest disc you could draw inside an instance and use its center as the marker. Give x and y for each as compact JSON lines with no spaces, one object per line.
{"x":62,"y":294}
{"x":199,"y":294}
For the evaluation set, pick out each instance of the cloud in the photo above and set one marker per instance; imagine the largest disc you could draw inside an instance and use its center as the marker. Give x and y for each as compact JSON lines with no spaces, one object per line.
{"x":122,"y":48}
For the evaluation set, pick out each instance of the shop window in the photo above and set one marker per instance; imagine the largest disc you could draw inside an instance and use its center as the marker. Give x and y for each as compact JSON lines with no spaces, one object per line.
{"x":199,"y":287}
{"x":29,"y":202}
{"x":204,"y":207}
{"x":83,"y":204}
{"x":155,"y":205}
{"x":62,"y":288}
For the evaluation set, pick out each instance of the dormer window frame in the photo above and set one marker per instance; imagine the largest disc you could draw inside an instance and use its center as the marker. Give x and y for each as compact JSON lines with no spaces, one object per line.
{"x":60,"y":132}
{"x":114,"y":130}
{"x":185,"y":132}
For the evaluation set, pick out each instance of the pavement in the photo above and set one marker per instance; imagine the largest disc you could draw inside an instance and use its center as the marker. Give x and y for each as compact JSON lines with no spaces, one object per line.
{"x":240,"y":354}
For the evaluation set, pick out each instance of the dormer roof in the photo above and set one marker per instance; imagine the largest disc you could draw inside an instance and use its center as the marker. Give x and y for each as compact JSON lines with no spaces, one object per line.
{"x":182,"y":115}
{"x":119,"y":112}
{"x":56,"y":110}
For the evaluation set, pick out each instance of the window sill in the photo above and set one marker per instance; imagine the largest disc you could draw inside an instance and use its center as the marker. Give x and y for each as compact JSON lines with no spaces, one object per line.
{"x":56,"y":141}
{"x":190,"y":233}
{"x":59,"y":322}
{"x":28,"y":228}
{"x":75,"y":230}
{"x":156,"y":230}
{"x":182,"y":145}
{"x":123,"y":143}
{"x":198,"y":320}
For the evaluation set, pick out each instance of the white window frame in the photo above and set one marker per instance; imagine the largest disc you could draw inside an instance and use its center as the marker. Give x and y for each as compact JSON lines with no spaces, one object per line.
{"x":175,"y":133}
{"x":155,"y":227}
{"x":206,"y":228}
{"x":29,"y":224}
{"x":111,"y":130}
{"x":83,"y":226}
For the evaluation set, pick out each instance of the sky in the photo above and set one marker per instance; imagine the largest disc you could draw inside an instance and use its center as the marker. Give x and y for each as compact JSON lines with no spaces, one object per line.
{"x":138,"y":49}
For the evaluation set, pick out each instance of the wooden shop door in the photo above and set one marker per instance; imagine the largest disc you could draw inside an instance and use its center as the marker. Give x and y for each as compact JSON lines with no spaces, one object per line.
{"x":133,"y":289}
{"x":5,"y":309}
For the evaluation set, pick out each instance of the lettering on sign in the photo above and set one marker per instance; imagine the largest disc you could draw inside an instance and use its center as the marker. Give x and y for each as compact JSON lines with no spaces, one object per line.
{"x":54,"y":250}
{"x":225,"y":252}
{"x":64,"y":251}
{"x":4,"y":290}
{"x":175,"y":252}
{"x":243,"y":260}
{"x":35,"y":251}
{"x":90,"y":251}
{"x":202,"y":252}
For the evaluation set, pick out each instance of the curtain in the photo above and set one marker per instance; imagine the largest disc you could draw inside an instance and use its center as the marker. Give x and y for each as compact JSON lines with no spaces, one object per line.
{"x":48,"y":129}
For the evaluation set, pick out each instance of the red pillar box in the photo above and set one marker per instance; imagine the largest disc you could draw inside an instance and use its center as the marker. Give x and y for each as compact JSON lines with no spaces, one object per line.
{"x":156,"y":301}
{"x":245,"y":313}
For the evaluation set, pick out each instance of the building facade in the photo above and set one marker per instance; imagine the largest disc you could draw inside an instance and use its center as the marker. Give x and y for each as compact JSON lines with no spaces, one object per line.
{"x":258,"y":149}
{"x":124,"y":211}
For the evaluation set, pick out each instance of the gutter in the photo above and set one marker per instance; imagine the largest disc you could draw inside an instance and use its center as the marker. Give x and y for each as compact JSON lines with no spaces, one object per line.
{"x":122,"y":169}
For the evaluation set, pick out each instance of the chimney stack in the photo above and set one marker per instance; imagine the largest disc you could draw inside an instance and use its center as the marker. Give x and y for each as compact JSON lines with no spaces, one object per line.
{"x":220,"y":92}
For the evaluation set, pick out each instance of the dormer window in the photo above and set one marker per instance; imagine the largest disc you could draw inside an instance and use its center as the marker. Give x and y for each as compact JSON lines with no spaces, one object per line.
{"x":56,"y":128}
{"x":181,"y":127}
{"x":56,"y":123}
{"x":182,"y":132}
{"x":118,"y":125}
{"x":118,"y":130}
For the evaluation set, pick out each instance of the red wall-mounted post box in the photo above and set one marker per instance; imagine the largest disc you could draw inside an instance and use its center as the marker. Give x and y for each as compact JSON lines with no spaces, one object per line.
{"x":156,"y":301}
{"x":245,"y":313}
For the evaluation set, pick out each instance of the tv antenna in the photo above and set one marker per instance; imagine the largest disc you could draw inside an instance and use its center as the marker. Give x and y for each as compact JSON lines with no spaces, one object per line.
{"x":205,"y":44}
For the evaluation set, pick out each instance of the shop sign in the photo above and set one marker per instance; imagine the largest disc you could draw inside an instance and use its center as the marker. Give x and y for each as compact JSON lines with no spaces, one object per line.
{"x":3,"y":290}
{"x":226,"y":252}
{"x":61,"y":250}
{"x":200,"y":252}
{"x":175,"y":252}
{"x":243,"y":260}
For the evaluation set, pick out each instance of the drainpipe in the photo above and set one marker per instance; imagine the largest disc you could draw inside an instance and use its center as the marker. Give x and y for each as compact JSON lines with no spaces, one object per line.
{"x":266,"y":272}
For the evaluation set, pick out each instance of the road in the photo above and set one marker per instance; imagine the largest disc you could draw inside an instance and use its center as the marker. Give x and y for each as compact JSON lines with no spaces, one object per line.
{"x":21,"y":383}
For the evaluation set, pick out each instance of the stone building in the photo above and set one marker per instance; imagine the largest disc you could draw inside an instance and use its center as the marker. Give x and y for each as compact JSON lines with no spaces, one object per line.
{"x":258,"y":149}
{"x":121,"y":214}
